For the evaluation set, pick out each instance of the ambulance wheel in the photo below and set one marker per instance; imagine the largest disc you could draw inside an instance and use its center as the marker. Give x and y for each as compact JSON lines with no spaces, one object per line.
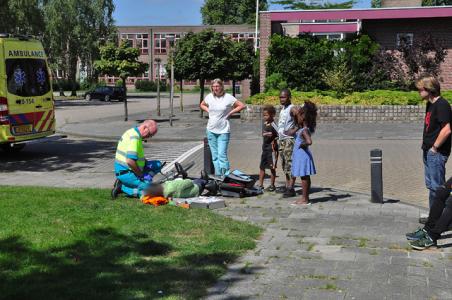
{"x":107,"y":98}
{"x":8,"y":148}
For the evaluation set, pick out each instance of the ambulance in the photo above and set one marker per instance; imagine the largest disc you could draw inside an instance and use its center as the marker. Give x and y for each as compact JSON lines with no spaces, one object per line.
{"x":27,"y":112}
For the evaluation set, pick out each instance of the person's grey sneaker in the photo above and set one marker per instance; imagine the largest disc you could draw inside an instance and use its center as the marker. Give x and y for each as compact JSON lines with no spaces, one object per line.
{"x":417,"y":235}
{"x":423,"y":243}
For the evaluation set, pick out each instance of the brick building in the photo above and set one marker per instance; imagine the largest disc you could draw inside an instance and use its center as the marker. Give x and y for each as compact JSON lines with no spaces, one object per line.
{"x":384,"y":25}
{"x":155,"y":42}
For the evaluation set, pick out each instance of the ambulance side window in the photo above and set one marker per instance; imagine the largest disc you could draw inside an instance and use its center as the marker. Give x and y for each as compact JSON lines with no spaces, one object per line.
{"x":27,"y":77}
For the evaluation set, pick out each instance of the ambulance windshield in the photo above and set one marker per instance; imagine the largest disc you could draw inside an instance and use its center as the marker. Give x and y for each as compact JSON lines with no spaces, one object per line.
{"x":27,"y":77}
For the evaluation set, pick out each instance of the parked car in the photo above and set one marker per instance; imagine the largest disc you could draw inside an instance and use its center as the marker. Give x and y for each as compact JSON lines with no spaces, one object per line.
{"x":106,"y":93}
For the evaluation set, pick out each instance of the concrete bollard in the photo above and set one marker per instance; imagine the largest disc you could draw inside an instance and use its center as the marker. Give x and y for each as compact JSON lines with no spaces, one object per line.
{"x":208,"y":163}
{"x":376,"y":175}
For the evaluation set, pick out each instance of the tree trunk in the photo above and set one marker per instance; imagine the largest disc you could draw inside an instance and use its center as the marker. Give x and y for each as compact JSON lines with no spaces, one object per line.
{"x":233,"y":87}
{"x":73,"y":73}
{"x":126,"y":114}
{"x":201,"y":85}
{"x":181,"y":95}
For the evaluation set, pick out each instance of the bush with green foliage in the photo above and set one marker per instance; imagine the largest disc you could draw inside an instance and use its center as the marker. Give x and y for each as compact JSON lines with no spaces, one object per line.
{"x":300,"y":60}
{"x":357,"y":64}
{"x":423,"y":55}
{"x":275,"y":82}
{"x":145,"y":86}
{"x":377,"y":97}
{"x":149,"y":86}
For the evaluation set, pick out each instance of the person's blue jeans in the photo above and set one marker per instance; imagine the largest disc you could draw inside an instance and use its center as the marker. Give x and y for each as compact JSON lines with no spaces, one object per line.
{"x":218,"y":144}
{"x":132,"y":185}
{"x":435,"y":172}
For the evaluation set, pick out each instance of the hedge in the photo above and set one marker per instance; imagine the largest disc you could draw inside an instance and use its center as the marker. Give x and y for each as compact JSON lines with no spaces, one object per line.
{"x":377,"y":97}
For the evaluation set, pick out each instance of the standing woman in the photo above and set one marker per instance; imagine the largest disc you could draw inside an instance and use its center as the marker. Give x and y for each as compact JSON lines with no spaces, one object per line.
{"x":220,"y":106}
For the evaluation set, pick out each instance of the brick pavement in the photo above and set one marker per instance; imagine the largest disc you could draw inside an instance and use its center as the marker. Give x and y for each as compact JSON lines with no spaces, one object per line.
{"x":341,"y":151}
{"x":344,"y":164}
{"x":340,"y":247}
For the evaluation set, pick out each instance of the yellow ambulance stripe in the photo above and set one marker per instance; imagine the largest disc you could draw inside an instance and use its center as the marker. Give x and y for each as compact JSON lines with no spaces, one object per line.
{"x":46,"y":127}
{"x":44,"y":116}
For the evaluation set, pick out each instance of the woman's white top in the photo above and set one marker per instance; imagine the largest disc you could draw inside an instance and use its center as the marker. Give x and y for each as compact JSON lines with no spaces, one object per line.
{"x":219,"y":108}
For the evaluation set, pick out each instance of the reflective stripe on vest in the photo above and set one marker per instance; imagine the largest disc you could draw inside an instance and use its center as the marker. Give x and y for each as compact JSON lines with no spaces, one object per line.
{"x":130,"y":144}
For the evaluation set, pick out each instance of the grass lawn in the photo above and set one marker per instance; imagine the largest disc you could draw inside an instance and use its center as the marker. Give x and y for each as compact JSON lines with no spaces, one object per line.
{"x":78,"y":244}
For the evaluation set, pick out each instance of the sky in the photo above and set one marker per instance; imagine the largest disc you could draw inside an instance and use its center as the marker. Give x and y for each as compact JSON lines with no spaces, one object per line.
{"x":170,"y":12}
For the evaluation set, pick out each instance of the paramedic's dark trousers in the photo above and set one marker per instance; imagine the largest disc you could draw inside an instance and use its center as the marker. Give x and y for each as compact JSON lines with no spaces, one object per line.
{"x":440,"y":216}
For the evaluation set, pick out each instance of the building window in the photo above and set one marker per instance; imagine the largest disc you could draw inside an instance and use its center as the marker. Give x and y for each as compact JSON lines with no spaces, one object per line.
{"x":330,"y":36}
{"x":243,"y":37}
{"x":142,"y":43}
{"x":173,"y":38}
{"x":404,"y":38}
{"x":160,"y":43}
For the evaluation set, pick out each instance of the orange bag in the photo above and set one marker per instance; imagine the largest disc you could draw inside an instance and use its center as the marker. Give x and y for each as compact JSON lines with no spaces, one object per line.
{"x":155,"y":201}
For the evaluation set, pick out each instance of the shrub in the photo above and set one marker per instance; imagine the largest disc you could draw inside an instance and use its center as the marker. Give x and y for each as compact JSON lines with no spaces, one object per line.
{"x":377,"y":97}
{"x":424,"y":55}
{"x":145,"y":86}
{"x":339,"y":78}
{"x":275,"y":82}
{"x":300,"y":60}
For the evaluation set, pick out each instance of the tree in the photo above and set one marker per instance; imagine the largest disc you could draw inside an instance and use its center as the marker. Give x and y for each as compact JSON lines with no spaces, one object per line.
{"x":436,"y":2}
{"x":201,"y":56}
{"x":314,"y":4}
{"x":221,"y":12}
{"x":375,"y":3}
{"x":242,"y":62}
{"x":22,"y":17}
{"x":120,"y":62}
{"x":74,"y":31}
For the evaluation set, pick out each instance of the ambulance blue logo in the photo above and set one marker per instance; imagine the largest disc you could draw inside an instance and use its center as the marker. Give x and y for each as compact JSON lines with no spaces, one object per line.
{"x":19,"y":77}
{"x":41,"y":76}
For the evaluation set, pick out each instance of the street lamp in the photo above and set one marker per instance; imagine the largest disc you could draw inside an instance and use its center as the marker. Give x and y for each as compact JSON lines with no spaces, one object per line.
{"x":171,"y":40}
{"x":257,"y":22}
{"x":158,"y":61}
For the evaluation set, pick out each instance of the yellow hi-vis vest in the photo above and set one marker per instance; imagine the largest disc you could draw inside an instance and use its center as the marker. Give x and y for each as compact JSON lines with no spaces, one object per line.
{"x":130,"y":146}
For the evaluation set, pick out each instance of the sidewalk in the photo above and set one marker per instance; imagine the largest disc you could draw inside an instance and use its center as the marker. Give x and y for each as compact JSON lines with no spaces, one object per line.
{"x":340,"y":247}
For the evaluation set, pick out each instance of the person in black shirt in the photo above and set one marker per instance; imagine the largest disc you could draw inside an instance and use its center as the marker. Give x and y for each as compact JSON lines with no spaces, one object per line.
{"x":269,"y":147}
{"x":436,"y":141}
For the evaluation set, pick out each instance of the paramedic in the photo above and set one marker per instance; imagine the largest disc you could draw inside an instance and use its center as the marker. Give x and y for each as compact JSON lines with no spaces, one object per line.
{"x":130,"y":161}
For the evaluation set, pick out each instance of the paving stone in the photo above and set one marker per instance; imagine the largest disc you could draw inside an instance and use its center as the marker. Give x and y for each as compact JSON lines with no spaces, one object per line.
{"x":316,"y":254}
